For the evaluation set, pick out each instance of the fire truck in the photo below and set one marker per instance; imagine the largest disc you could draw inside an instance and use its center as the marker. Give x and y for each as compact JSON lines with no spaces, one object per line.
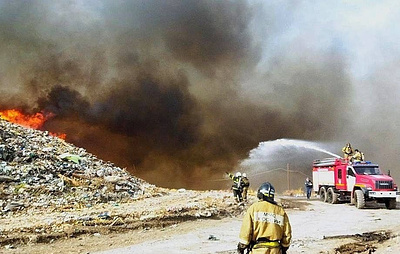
{"x":338,"y":180}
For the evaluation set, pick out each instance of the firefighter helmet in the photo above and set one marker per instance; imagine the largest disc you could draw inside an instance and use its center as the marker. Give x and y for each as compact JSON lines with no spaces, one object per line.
{"x":266,"y":192}
{"x":238,"y":174}
{"x":244,"y":175}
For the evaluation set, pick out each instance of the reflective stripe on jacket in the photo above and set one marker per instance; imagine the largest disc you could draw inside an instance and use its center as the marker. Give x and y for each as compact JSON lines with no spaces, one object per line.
{"x":265,"y":220}
{"x":266,"y":245}
{"x":236,"y":182}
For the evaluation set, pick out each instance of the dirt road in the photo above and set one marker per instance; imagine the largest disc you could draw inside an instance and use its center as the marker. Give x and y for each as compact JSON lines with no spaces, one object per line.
{"x":317,"y":228}
{"x":339,"y":224}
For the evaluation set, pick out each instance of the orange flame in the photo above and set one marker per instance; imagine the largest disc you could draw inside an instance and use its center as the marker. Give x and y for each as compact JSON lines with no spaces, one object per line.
{"x":59,"y":135}
{"x":34,"y":121}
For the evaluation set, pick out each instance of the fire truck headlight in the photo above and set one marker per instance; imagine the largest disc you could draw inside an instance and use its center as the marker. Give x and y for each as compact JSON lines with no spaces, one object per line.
{"x":369,"y":188}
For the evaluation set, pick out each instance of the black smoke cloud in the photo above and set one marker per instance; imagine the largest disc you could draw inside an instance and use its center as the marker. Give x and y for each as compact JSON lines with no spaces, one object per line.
{"x":176,"y":91}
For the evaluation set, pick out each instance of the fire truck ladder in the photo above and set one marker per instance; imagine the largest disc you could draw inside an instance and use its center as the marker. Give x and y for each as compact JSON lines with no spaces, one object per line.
{"x":326,"y":162}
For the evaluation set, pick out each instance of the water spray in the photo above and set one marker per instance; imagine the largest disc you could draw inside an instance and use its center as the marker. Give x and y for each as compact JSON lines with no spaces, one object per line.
{"x":267,"y":147}
{"x":268,"y":151}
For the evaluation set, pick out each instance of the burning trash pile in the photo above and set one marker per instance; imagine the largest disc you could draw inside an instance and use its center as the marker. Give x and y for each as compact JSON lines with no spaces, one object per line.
{"x":50,"y":189}
{"x":38,"y":170}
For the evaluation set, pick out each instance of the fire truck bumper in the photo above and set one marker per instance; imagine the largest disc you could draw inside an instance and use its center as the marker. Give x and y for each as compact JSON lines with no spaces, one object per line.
{"x":383,"y":194}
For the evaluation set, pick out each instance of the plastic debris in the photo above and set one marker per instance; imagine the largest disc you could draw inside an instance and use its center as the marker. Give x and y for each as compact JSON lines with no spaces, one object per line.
{"x":40,"y":170}
{"x":213,"y":238}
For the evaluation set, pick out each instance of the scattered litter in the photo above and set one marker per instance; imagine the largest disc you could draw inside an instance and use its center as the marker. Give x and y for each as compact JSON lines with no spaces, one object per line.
{"x":104,"y":215}
{"x":71,"y":157}
{"x":9,"y":247}
{"x":13,"y":206}
{"x":213,"y":238}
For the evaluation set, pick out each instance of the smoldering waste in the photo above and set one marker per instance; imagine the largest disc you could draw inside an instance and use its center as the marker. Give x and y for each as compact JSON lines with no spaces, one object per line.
{"x":50,"y":189}
{"x":39,"y":170}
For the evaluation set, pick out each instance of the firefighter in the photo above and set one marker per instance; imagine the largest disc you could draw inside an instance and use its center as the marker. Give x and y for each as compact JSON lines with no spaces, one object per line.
{"x":266,"y":227}
{"x":358,"y":156}
{"x":347,"y":151}
{"x":236,"y":186}
{"x":309,"y":186}
{"x":245,"y":186}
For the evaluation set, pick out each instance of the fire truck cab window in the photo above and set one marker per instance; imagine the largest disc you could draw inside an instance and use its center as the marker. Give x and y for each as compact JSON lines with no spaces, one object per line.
{"x":350,"y":172}
{"x":339,"y":174}
{"x":368,"y":170}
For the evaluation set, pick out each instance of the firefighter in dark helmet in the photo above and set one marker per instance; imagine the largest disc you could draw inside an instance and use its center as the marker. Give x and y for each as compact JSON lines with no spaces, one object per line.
{"x":265,"y":228}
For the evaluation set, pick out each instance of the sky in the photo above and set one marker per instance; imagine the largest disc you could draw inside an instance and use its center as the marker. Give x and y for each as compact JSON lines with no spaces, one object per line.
{"x":179,"y":92}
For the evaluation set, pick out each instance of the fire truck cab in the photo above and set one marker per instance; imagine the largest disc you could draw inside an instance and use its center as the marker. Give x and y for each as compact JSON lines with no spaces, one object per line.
{"x":338,"y":180}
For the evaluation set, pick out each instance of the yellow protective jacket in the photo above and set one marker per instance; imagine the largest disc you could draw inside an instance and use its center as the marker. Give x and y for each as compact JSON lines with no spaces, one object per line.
{"x":358,"y":156}
{"x":245,"y":182}
{"x":237,"y":182}
{"x":347,"y":150}
{"x":266,"y":220}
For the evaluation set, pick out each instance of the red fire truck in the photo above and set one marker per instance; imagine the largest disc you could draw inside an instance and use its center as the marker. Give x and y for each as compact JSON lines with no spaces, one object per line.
{"x":338,"y":180}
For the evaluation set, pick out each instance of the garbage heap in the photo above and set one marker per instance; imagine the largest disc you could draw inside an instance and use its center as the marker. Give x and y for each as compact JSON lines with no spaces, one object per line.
{"x":38,"y":170}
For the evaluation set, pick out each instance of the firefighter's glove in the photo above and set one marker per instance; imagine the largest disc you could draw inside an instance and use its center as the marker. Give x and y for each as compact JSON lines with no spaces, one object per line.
{"x":284,"y":249}
{"x":241,"y":248}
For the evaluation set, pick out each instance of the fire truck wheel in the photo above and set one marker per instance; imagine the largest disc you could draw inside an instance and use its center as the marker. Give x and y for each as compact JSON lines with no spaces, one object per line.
{"x":332,"y":197}
{"x":329,"y":196}
{"x":360,"y":201}
{"x":322,"y":194}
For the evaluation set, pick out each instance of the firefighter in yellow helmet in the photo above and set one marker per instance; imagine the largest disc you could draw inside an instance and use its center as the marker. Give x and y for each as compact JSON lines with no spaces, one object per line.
{"x":266,"y":227}
{"x":347,"y":151}
{"x":358,"y":156}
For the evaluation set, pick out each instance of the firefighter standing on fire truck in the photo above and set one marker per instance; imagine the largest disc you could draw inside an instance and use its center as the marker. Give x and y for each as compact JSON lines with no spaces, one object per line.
{"x":347,"y":151}
{"x":265,"y":228}
{"x":358,"y":156}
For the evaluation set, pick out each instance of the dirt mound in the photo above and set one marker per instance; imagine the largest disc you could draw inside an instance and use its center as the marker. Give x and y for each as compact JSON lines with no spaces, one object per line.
{"x":365,"y":243}
{"x":167,"y":208}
